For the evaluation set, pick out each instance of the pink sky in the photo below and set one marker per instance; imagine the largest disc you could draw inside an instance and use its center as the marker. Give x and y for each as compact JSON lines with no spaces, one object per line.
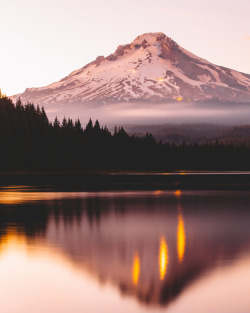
{"x":43,"y":41}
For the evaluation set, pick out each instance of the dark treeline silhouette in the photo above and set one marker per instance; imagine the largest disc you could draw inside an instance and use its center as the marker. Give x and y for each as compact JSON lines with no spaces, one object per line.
{"x":195,"y":133}
{"x":30,"y":142}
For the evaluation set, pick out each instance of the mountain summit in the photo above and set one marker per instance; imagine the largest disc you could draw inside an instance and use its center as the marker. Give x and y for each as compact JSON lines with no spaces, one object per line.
{"x":152,"y":68}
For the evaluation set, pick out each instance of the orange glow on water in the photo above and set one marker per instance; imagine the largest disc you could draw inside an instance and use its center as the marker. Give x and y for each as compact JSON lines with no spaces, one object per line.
{"x":18,"y":196}
{"x":163,"y":257}
{"x":12,"y":240}
{"x":157,"y":192}
{"x":177,"y":193}
{"x":136,"y":269}
{"x":11,"y":197}
{"x":22,"y":194}
{"x":181,"y":238}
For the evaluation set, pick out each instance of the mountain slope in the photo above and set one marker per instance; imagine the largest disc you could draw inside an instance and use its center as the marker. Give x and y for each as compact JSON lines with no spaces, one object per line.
{"x":152,"y":68}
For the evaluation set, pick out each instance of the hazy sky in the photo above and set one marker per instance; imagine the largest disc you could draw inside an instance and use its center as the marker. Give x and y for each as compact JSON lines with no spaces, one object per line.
{"x":43,"y":41}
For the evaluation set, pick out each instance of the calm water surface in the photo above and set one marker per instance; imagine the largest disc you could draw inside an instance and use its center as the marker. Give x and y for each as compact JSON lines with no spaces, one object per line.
{"x":149,"y":251}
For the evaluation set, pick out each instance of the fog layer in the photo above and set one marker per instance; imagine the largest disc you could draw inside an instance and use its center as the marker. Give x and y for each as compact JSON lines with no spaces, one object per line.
{"x":152,"y":113}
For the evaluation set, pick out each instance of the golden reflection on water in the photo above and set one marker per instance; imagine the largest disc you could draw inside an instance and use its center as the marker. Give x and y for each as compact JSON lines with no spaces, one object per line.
{"x":157,"y":192}
{"x":10,"y":197}
{"x":19,"y":195}
{"x":181,"y":237}
{"x":177,"y":193}
{"x":163,"y":257}
{"x":12,"y":240}
{"x":136,"y":269}
{"x":15,"y":196}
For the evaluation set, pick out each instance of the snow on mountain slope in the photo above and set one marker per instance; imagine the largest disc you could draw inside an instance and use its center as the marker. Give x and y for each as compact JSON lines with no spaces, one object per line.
{"x":152,"y":68}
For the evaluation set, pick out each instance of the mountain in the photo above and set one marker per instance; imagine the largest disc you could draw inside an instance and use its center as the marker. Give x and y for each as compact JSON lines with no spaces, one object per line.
{"x":151,"y":68}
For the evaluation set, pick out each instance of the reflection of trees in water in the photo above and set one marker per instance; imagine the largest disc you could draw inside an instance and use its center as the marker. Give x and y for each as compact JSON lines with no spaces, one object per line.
{"x":30,"y":219}
{"x":197,"y":233}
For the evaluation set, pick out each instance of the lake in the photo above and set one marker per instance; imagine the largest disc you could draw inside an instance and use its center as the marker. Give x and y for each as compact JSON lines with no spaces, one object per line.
{"x":134,"y":251}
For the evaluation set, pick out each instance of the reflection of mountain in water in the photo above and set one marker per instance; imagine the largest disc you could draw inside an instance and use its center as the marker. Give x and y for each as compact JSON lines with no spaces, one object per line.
{"x":150,"y":246}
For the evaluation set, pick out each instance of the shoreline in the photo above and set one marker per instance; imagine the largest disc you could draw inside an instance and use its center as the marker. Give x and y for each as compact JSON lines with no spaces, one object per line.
{"x":129,"y":180}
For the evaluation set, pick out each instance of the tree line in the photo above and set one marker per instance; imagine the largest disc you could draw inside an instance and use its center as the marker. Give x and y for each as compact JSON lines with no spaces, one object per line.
{"x":30,"y":142}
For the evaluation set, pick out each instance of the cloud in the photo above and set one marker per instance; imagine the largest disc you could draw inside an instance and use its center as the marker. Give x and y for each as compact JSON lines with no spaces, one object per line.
{"x":248,"y":38}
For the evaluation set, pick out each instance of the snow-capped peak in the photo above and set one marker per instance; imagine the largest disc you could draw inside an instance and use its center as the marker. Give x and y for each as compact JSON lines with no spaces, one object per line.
{"x":150,"y":38}
{"x":151,"y":68}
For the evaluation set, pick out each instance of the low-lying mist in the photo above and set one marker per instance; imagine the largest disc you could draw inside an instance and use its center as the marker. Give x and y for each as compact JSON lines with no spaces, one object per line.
{"x":154,"y":113}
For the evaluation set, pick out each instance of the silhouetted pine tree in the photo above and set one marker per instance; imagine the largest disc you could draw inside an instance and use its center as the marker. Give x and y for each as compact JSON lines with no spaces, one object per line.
{"x":28,"y":141}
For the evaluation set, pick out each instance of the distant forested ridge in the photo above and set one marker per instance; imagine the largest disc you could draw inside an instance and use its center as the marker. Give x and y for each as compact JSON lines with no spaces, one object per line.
{"x":193,"y":133}
{"x":30,"y":142}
